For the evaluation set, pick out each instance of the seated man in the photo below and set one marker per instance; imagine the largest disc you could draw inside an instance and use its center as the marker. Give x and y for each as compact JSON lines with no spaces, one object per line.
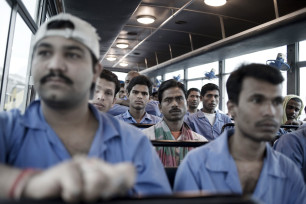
{"x":193,"y":100}
{"x":172,"y":103}
{"x":293,"y":145}
{"x":38,"y":148}
{"x":122,"y":94}
{"x":138,"y":93}
{"x":107,"y":86}
{"x":241,"y":161}
{"x":122,"y":105}
{"x":292,"y":107}
{"x":209,"y":121}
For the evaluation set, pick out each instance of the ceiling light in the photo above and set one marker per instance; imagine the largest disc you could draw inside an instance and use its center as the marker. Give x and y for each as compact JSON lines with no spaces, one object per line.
{"x":146,"y":19}
{"x":122,"y":45}
{"x":123,"y":64}
{"x":215,"y":2}
{"x":111,"y":59}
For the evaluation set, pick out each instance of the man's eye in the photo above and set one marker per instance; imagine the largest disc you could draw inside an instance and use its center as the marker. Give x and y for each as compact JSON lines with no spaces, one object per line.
{"x":44,"y":53}
{"x":73,"y":55}
{"x":256,"y":100}
{"x":278,"y":102}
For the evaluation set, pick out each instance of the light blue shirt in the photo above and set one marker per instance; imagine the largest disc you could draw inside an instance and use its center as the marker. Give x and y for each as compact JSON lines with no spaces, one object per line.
{"x":293,"y":145}
{"x":153,"y":109}
{"x":211,"y":168}
{"x":200,"y":124}
{"x":147,"y":118}
{"x":117,"y":109}
{"x":27,"y":141}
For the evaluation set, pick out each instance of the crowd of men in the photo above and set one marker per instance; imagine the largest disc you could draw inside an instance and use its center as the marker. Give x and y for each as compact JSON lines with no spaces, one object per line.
{"x":68,"y":146}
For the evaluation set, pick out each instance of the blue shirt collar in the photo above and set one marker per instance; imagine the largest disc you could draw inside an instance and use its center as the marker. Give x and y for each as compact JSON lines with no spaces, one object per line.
{"x":220,"y":150}
{"x":127,"y":115}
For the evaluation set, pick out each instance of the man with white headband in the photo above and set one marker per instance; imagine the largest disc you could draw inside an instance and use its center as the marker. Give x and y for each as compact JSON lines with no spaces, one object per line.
{"x":62,"y":146}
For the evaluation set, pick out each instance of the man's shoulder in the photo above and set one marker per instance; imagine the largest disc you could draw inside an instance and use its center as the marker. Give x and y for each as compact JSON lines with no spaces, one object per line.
{"x":8,"y":118}
{"x":111,"y":123}
{"x":283,"y":163}
{"x":153,"y":117}
{"x":117,"y":109}
{"x":223,"y":116}
{"x":195,"y":116}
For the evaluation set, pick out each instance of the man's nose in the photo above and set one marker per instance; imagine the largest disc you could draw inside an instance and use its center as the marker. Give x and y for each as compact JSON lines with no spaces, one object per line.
{"x":57,"y":63}
{"x":100,"y":96}
{"x":270,"y":109}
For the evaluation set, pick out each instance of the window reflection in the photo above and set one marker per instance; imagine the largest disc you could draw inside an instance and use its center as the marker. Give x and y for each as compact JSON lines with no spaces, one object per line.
{"x":18,"y":66}
{"x":5,"y":11}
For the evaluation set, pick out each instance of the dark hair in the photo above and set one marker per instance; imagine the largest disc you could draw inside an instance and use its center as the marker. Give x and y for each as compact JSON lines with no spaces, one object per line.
{"x":169,"y":84}
{"x":258,"y":71}
{"x":110,"y":76}
{"x":192,"y":89}
{"x":209,"y":87}
{"x":121,"y":85}
{"x":141,"y":80}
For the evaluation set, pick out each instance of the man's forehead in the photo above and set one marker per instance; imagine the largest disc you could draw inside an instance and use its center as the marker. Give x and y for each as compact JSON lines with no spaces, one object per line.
{"x":140,"y":87}
{"x":212,"y":92}
{"x":101,"y":83}
{"x":194,"y":93}
{"x":173,"y":92}
{"x":53,"y":41}
{"x":253,"y":86}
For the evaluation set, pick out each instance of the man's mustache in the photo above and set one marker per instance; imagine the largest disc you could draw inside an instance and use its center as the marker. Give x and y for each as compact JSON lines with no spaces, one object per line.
{"x":175,"y":110}
{"x":56,"y":74}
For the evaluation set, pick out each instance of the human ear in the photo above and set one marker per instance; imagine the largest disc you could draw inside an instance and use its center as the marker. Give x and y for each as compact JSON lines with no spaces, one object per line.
{"x":231,"y":108}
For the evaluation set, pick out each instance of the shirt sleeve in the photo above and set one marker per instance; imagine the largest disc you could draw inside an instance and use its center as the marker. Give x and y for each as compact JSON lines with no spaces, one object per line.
{"x":291,"y":146}
{"x":151,"y":179}
{"x":185,"y":179}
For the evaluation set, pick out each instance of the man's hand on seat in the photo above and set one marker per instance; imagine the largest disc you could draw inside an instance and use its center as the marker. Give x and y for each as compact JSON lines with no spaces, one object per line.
{"x":82,"y":178}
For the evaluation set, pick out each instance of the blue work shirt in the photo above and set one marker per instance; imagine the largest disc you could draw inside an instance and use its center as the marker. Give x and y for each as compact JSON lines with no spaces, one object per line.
{"x":211,"y":168}
{"x":147,"y":118}
{"x":27,"y":141}
{"x":293,"y":145}
{"x":200,"y":124}
{"x":117,"y":109}
{"x":153,"y":109}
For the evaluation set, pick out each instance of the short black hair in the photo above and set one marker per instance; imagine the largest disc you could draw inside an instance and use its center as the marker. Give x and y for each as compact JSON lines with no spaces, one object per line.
{"x":110,"y":76}
{"x":209,"y":87}
{"x":169,"y":84}
{"x":192,"y":89}
{"x":258,"y":71}
{"x":141,"y":80}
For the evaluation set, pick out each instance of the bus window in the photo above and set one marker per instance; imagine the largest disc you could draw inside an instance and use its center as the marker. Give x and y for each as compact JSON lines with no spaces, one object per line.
{"x":14,"y":97}
{"x":4,"y":22}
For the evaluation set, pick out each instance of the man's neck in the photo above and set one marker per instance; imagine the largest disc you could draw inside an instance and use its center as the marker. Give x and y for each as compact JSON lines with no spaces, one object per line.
{"x":66,"y":117}
{"x":137,"y":114}
{"x":208,"y":111}
{"x":174,"y":125}
{"x":192,"y":110}
{"x":244,"y":149}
